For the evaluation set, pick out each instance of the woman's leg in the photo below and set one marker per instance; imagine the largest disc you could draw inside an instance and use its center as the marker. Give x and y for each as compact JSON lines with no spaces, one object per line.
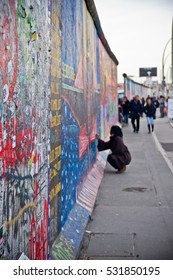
{"x":149,"y":129}
{"x":133,"y":123}
{"x":149,"y":123}
{"x":152,"y":123}
{"x":112,"y":162}
{"x":114,"y":165}
{"x":138,"y":123}
{"x":126,"y":118}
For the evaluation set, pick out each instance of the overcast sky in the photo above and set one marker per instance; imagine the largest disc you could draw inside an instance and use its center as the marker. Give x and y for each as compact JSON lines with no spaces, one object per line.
{"x":137,"y":32}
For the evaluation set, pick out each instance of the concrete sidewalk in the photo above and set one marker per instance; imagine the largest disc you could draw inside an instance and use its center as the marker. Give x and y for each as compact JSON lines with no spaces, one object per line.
{"x":133,"y":215}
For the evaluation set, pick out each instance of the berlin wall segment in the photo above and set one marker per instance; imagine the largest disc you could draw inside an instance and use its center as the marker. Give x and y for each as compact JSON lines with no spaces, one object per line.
{"x":58,"y":88}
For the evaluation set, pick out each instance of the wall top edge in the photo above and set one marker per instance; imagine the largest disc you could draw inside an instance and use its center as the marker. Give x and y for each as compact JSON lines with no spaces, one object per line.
{"x":93,"y":12}
{"x":129,"y":79}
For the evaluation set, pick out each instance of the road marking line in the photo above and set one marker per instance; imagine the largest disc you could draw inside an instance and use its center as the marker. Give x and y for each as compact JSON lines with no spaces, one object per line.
{"x":163,"y":153}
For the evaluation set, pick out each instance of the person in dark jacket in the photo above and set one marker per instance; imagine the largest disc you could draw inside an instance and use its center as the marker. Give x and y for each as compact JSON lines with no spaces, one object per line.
{"x":142,"y":104}
{"x":126,"y":108}
{"x":120,"y":110}
{"x":135,"y":113}
{"x":155,"y":102}
{"x":162,"y":105}
{"x":150,"y":111}
{"x":120,"y":156}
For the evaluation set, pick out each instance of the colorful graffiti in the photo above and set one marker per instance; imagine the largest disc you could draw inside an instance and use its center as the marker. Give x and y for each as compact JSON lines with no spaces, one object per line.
{"x":55,"y":121}
{"x":57,"y":89}
{"x":85,"y":99}
{"x":24,"y":133}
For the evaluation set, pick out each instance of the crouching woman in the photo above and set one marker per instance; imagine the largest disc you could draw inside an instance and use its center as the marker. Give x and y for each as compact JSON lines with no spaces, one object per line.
{"x":120,"y":156}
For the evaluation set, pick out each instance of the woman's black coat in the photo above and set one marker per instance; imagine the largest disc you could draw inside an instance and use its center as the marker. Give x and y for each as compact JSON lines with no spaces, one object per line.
{"x":150,"y":110}
{"x":120,"y":153}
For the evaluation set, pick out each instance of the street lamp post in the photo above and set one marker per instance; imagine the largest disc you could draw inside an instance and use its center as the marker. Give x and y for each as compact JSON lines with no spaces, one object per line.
{"x":163,"y":62}
{"x":172,"y":53}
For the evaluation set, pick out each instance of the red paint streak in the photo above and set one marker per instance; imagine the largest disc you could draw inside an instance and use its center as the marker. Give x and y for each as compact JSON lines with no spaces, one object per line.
{"x":94,"y":131}
{"x":38,"y":255}
{"x":36,"y":189}
{"x":32,"y":238}
{"x":42,"y":241}
{"x":46,"y":227}
{"x":85,"y":140}
{"x":39,"y":237}
{"x":71,"y":110}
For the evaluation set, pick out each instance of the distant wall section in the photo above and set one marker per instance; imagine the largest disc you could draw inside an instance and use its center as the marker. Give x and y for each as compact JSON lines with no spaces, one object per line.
{"x":132,"y":88}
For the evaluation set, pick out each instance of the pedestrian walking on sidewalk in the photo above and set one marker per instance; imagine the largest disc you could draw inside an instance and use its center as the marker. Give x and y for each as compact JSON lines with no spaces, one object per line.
{"x":142,"y":104}
{"x":162,"y":105}
{"x":135,"y":113}
{"x":150,"y":112}
{"x":120,"y":156}
{"x":126,"y":107}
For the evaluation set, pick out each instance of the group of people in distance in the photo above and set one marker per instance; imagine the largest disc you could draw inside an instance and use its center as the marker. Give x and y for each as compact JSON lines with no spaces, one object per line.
{"x":135,"y":109}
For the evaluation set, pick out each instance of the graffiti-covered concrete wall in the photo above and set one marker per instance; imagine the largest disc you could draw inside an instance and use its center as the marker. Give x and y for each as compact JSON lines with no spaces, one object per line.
{"x":57,"y":89}
{"x":132,"y":88}
{"x":24,"y":129}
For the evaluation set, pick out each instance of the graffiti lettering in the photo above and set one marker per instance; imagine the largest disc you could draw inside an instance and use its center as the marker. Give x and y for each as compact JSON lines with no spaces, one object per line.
{"x":55,"y":121}
{"x":54,"y":87}
{"x":55,"y":104}
{"x":68,"y":72}
{"x":62,"y":249}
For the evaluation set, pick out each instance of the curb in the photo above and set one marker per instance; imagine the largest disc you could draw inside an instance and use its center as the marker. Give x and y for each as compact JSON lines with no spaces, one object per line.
{"x":69,"y":240}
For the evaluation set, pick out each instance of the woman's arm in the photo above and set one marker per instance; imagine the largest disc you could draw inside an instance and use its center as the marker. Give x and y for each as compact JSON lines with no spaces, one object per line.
{"x":102,"y":145}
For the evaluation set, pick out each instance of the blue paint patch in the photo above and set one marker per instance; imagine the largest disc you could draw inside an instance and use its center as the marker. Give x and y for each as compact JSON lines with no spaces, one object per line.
{"x":73,"y":170}
{"x":93,"y":151}
{"x":72,"y":32}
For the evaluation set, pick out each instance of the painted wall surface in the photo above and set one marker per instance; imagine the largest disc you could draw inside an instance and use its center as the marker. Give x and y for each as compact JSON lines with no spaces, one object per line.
{"x":57,"y":90}
{"x":55,"y":120}
{"x":85,"y":100}
{"x":24,"y":131}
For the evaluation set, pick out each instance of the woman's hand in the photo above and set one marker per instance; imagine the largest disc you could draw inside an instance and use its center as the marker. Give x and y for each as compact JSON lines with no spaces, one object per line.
{"x":96,"y":136}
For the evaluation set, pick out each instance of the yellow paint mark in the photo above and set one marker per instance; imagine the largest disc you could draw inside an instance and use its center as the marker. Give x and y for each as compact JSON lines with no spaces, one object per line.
{"x":34,"y":36}
{"x":53,"y":173}
{"x":55,"y":191}
{"x":68,"y":72}
{"x":52,"y":155}
{"x":55,"y":153}
{"x":12,"y":222}
{"x":55,"y":121}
